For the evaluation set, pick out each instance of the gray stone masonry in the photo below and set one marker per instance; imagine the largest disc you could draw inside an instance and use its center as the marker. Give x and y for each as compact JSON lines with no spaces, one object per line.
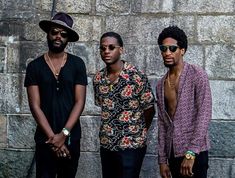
{"x":209,"y":25}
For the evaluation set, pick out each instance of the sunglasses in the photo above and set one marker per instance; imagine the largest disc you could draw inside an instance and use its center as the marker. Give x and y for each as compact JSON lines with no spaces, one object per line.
{"x":55,"y":31}
{"x":172,"y":48}
{"x":110,"y":47}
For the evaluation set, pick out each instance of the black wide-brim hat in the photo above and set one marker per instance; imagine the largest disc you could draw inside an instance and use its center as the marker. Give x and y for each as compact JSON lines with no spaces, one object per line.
{"x":62,"y":20}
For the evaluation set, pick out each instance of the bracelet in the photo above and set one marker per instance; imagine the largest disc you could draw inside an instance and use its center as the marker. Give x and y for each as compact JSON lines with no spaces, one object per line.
{"x":65,"y":131}
{"x":190,"y":152}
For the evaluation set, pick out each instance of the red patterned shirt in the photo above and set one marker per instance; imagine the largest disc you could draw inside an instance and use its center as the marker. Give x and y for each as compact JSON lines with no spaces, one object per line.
{"x":123,"y":103}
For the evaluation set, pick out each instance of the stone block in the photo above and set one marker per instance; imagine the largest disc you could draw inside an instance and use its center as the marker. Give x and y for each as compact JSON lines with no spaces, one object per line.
{"x":204,"y":6}
{"x":220,"y":65}
{"x":222,"y":139}
{"x":88,"y":27}
{"x":3,"y":131}
{"x":20,"y":5}
{"x":90,"y":107}
{"x":71,"y":6}
{"x":152,"y":138}
{"x":11,"y":28}
{"x":16,"y":164}
{"x":146,"y":58}
{"x":45,"y":5}
{"x":3,"y":80}
{"x":120,"y":24}
{"x":2,"y":59}
{"x":221,"y":30}
{"x":146,"y":29}
{"x":13,"y":55}
{"x":90,"y":134}
{"x":150,"y":167}
{"x":221,"y":168}
{"x":18,"y":9}
{"x":141,"y":29}
{"x":195,"y":55}
{"x":152,"y":6}
{"x":153,"y":81}
{"x":20,"y":53}
{"x":89,"y":165}
{"x":187,"y":24}
{"x":112,"y":6}
{"x":86,"y":52}
{"x":21,"y":129}
{"x":31,"y":27}
{"x":13,"y":94}
{"x":223,"y":99}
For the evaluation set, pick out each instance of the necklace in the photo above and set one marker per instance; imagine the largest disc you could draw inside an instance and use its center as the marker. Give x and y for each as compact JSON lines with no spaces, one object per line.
{"x":56,"y":72}
{"x":114,"y":79}
{"x":111,"y":83}
{"x":172,"y":84}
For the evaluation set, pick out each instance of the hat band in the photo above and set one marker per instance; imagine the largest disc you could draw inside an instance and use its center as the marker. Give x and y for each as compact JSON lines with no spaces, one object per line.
{"x":61,"y":23}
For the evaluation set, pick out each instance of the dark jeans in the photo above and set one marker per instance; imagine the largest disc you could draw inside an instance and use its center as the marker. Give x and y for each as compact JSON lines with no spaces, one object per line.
{"x":200,"y":166}
{"x":122,"y":164}
{"x":48,"y":165}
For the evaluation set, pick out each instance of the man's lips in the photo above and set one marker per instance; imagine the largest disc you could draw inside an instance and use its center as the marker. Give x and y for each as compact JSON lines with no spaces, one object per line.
{"x":168,"y":59}
{"x":57,"y":43}
{"x":107,"y":57}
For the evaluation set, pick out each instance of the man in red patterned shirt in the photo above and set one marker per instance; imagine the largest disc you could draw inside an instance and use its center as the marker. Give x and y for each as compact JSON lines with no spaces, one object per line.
{"x":127,"y":102}
{"x":184,"y":111}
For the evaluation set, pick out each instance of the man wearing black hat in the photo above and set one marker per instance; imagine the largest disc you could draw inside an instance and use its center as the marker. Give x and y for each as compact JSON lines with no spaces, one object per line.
{"x":56,"y":87}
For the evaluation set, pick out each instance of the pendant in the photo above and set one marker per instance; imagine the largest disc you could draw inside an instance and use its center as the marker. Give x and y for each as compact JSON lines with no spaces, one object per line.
{"x":56,"y":74}
{"x":111,"y":87}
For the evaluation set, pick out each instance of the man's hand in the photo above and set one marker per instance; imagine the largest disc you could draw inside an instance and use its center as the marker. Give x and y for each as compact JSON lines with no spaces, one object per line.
{"x":56,"y":141}
{"x":165,"y":171}
{"x":63,"y":152}
{"x":186,"y":168}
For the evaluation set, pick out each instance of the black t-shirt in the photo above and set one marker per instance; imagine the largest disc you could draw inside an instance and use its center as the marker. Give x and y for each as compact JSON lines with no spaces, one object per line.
{"x":57,"y":97}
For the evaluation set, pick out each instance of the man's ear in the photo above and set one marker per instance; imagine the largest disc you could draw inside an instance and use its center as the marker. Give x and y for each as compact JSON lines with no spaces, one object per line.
{"x":182,"y":51}
{"x":121,"y":50}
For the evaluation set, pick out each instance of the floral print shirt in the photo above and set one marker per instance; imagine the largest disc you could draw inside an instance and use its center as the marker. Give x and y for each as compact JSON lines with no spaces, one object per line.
{"x":123,"y":103}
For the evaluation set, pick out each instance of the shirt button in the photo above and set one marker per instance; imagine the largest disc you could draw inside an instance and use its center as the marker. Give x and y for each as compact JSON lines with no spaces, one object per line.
{"x":57,"y":81}
{"x":57,"y":89}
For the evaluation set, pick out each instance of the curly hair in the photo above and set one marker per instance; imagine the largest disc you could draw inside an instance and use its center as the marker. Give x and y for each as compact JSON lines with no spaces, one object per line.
{"x":175,"y":33}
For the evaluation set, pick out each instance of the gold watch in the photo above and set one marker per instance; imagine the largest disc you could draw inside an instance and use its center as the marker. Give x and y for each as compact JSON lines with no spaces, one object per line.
{"x":189,"y":156}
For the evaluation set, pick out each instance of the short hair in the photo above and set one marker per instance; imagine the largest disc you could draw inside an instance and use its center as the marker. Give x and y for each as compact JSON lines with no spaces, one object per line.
{"x":114,"y":35}
{"x":175,"y":33}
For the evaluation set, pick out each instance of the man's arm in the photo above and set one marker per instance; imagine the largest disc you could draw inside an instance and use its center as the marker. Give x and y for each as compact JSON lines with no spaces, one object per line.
{"x":203,"y":102}
{"x":80,"y":97}
{"x":34,"y":104}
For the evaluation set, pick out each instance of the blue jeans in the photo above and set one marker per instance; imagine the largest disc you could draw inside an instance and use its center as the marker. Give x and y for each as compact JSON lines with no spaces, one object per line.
{"x":122,"y":164}
{"x":200,"y":166}
{"x":48,"y":165}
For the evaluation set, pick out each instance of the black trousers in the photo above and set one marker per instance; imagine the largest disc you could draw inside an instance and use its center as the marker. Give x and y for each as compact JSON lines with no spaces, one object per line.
{"x":122,"y":164}
{"x":48,"y":165}
{"x":200,"y":166}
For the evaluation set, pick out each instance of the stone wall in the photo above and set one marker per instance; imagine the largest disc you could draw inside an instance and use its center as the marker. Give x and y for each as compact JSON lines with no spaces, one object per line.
{"x":209,"y":25}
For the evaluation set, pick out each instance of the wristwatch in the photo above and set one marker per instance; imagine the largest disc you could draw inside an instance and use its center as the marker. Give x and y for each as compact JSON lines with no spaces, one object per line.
{"x":66,"y":132}
{"x":189,"y":155}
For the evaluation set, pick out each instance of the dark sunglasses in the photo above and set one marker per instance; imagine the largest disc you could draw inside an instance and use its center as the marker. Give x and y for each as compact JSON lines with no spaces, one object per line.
{"x":110,"y":47}
{"x":172,"y":48}
{"x":55,"y":31}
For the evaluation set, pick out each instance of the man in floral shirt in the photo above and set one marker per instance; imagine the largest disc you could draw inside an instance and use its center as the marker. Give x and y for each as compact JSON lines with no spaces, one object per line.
{"x":127,"y":102}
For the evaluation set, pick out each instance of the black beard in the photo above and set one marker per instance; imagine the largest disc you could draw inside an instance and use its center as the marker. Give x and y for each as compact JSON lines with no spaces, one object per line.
{"x":55,"y":49}
{"x":169,"y":65}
